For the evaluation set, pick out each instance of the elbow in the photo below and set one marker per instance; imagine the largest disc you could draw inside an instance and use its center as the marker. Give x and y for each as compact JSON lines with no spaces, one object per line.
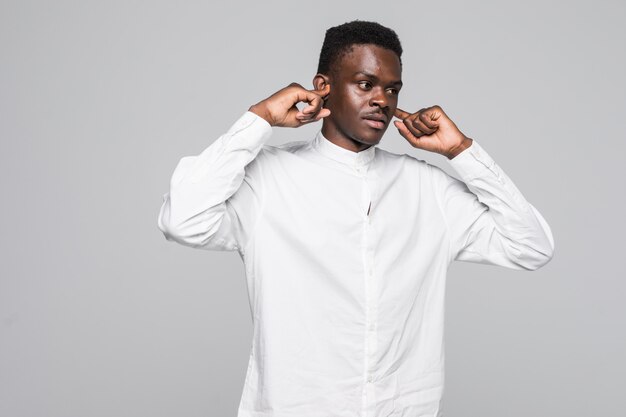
{"x":540,"y":260}
{"x":533,"y":258}
{"x":196,"y":231}
{"x":164,"y":221}
{"x":189,"y":234}
{"x":545,"y":251}
{"x":541,"y":246}
{"x":170,"y":233}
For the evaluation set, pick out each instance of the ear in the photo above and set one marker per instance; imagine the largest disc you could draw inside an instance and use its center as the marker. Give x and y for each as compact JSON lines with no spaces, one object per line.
{"x":320,"y":81}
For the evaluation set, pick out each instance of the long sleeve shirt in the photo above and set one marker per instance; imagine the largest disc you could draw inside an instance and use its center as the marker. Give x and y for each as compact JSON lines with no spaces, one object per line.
{"x":345,"y":257}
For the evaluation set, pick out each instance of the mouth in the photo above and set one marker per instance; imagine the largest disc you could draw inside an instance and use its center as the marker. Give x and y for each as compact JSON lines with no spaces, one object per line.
{"x":376,"y":121}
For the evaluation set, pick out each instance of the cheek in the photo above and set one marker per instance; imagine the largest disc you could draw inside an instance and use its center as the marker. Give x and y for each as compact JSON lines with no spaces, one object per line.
{"x":356,"y":98}
{"x":347,"y":104}
{"x":354,"y":104}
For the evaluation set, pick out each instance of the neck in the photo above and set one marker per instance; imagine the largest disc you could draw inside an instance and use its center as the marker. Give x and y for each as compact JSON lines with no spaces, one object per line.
{"x":333,"y":134}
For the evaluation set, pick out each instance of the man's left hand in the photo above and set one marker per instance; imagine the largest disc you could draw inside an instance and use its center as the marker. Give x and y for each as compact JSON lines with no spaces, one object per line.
{"x":432,"y":130}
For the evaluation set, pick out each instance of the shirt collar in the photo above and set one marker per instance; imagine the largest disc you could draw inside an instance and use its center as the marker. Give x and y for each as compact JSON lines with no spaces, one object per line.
{"x":336,"y":152}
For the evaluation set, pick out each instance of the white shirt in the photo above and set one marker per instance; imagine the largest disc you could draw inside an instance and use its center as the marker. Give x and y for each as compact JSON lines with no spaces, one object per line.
{"x":346,"y":255}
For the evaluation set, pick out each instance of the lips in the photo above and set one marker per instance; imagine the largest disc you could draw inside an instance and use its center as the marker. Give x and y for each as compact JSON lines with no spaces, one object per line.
{"x":376,"y":121}
{"x":376,"y":124}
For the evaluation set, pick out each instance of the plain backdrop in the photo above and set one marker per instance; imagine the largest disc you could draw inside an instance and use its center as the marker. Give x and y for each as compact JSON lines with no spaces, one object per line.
{"x":101,"y":316}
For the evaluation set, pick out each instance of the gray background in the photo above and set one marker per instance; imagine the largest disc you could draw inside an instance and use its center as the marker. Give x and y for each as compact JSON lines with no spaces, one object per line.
{"x":100,"y":316}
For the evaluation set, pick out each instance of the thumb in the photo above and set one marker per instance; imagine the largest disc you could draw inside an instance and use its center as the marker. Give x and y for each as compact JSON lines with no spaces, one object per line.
{"x":315,"y":99}
{"x":401,"y":128}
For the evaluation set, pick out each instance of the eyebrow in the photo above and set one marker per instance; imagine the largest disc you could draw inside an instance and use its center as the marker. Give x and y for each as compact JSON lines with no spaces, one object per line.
{"x":372,"y":76}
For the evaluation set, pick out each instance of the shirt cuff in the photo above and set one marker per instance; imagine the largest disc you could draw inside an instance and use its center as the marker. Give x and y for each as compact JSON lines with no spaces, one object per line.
{"x":472,"y":162}
{"x":258,"y":126}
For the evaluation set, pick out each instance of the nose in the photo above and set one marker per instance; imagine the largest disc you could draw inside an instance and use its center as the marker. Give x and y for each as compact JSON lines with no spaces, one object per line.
{"x":379,"y":98}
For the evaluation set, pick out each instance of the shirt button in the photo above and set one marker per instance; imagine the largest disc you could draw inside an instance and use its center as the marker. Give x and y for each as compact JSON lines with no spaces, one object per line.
{"x":370,"y":378}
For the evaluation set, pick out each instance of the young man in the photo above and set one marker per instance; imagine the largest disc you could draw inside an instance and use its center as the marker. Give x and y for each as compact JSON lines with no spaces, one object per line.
{"x":346,"y":245}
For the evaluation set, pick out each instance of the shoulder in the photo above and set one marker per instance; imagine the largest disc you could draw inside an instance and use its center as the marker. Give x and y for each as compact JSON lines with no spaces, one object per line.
{"x":410,"y":162}
{"x":437,"y":176}
{"x":285,"y":150}
{"x":271,"y":155}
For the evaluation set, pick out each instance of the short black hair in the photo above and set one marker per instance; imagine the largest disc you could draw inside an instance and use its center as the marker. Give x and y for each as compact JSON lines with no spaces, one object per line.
{"x":339,"y":40}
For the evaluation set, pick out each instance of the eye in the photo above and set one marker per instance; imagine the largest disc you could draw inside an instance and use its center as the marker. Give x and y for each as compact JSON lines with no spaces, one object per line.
{"x":394,"y":91}
{"x":365,"y":85}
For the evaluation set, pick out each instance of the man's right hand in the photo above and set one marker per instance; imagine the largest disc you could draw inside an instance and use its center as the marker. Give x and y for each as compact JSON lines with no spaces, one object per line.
{"x":280,"y":109}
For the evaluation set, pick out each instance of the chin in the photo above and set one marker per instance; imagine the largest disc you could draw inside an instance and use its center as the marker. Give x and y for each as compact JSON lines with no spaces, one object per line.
{"x":372,"y":137}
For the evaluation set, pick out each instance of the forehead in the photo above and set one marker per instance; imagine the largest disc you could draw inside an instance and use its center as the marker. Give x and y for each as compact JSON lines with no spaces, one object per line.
{"x":370,"y":59}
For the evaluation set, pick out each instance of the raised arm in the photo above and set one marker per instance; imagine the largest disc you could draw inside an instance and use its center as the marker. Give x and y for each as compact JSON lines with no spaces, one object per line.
{"x":216,"y":197}
{"x":488,"y":218}
{"x":198,"y":210}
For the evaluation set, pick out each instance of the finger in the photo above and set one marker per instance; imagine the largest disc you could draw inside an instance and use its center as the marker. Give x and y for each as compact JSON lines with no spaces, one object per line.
{"x":309,"y":113}
{"x":404,"y":132}
{"x":315,"y":100}
{"x":320,"y":115}
{"x":424,"y":143}
{"x":413,"y":127}
{"x":427,"y":120}
{"x":315,"y":104}
{"x":401,"y":114}
{"x":419,"y":124}
{"x":323,"y":92}
{"x":313,"y":112}
{"x":313,"y":96}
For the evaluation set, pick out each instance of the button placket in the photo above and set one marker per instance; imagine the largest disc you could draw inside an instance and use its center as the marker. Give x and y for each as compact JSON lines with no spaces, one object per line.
{"x":371,"y":291}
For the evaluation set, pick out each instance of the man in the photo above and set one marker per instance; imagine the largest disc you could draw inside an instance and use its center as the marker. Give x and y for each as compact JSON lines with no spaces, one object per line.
{"x":346,"y":245}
